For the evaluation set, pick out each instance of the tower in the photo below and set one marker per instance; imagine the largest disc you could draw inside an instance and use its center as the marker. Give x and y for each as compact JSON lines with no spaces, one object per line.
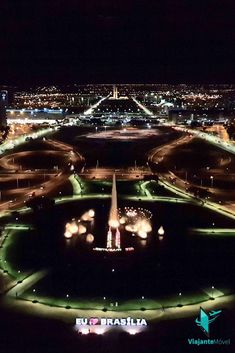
{"x":115,"y":92}
{"x":3,"y":106}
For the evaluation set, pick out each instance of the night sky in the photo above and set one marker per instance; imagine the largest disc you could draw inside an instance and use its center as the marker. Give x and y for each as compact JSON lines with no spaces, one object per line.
{"x":96,"y":41}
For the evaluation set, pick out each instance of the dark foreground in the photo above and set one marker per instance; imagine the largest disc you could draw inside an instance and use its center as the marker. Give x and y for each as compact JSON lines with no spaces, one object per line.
{"x":27,"y":334}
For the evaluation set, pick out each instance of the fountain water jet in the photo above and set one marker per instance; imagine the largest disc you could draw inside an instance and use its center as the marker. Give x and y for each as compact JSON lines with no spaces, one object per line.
{"x":113,"y":220}
{"x":113,"y":214}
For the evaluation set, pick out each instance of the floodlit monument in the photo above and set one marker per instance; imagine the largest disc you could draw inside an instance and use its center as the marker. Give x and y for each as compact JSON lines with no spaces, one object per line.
{"x":115,"y":92}
{"x":115,"y":96}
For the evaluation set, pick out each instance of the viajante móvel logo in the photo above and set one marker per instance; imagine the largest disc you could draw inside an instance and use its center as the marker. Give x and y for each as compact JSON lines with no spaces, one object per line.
{"x":203,"y":321}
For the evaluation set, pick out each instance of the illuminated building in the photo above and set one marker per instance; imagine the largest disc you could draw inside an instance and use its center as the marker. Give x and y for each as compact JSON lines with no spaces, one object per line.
{"x":3,"y":106}
{"x":115,"y":92}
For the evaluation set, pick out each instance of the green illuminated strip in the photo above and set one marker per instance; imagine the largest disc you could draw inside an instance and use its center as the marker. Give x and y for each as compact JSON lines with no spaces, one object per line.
{"x":76,"y":184}
{"x":214,"y":231}
{"x":66,"y":199}
{"x":4,"y":264}
{"x":18,"y":226}
{"x":143,"y":186}
{"x":27,"y":283}
{"x":211,"y":205}
{"x":100,"y":303}
{"x":174,"y":189}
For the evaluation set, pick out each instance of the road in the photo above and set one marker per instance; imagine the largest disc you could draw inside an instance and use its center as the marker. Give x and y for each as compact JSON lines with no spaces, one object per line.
{"x":142,"y":107}
{"x":122,"y":174}
{"x":219,"y":130}
{"x":215,"y":140}
{"x":10,"y":144}
{"x":157,"y":154}
{"x":180,"y":186}
{"x":42,"y":188}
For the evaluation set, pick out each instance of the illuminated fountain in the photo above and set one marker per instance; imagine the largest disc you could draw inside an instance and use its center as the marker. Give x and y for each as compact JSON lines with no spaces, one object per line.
{"x":79,"y":227}
{"x":161,"y":233}
{"x":136,"y":221}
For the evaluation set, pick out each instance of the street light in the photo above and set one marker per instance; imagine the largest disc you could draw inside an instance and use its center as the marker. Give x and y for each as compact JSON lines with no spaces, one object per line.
{"x":212,"y":292}
{"x":180,"y":295}
{"x":67,"y":297}
{"x":34,"y":300}
{"x":212,"y":181}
